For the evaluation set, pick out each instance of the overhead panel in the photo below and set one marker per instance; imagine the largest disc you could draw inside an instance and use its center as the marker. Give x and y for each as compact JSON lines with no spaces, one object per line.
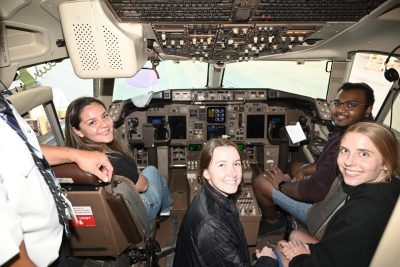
{"x":232,"y":31}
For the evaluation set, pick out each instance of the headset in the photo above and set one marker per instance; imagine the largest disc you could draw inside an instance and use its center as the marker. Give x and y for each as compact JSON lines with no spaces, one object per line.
{"x":391,"y":74}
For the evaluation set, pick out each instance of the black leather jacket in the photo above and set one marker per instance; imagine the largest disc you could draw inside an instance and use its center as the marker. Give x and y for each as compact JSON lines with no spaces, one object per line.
{"x":212,"y":235}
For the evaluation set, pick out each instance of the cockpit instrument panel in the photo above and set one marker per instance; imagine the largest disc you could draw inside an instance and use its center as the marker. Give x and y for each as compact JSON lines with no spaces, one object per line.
{"x":188,"y":118}
{"x":215,"y":114}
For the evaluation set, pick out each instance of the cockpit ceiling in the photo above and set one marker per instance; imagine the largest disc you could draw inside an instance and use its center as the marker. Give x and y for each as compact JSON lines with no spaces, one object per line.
{"x":232,"y":31}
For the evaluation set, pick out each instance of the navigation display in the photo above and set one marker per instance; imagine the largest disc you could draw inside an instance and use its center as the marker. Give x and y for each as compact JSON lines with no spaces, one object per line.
{"x":216,"y":114}
{"x":178,"y":127}
{"x":255,"y":126}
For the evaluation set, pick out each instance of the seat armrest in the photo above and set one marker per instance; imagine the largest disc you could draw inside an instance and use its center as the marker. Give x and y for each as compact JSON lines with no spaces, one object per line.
{"x":125,"y":220}
{"x":72,"y":171}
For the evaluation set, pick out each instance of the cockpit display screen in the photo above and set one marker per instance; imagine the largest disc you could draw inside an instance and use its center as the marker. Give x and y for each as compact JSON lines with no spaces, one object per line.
{"x":240,"y":146}
{"x":215,"y":131}
{"x":195,"y":147}
{"x":255,"y":126}
{"x":156,"y":120}
{"x":178,"y":127}
{"x":216,"y":114}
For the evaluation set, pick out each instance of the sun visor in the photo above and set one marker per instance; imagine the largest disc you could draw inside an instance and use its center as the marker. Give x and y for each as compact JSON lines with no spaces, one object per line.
{"x":99,"y":46}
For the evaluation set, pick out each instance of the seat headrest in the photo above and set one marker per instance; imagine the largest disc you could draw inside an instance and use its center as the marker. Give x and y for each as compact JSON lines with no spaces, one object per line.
{"x":72,"y":171}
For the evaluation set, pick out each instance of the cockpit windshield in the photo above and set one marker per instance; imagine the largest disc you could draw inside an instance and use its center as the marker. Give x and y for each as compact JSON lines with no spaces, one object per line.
{"x":309,"y":78}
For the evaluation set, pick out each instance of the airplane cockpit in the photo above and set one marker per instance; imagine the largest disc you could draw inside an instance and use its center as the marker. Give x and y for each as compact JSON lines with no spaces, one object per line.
{"x":175,"y":74}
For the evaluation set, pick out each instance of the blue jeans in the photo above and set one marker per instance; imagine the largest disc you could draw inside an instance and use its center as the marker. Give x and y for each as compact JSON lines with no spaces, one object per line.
{"x":296,"y":208}
{"x":157,"y":196}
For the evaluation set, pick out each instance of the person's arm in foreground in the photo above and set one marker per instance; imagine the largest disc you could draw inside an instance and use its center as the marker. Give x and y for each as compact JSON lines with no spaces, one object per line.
{"x":266,"y":258}
{"x":276,"y":176}
{"x":301,"y":170}
{"x":94,"y":162}
{"x":20,"y":260}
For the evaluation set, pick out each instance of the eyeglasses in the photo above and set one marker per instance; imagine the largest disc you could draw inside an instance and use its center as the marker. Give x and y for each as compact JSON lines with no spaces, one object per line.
{"x":349,"y":105}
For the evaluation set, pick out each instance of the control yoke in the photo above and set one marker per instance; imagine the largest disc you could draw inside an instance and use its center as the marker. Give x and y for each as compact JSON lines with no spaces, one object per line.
{"x":156,"y":135}
{"x":276,"y":134}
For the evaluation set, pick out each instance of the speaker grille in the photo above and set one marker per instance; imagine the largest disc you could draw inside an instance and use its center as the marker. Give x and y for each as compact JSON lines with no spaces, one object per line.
{"x":86,"y":47}
{"x":113,"y":49}
{"x":98,"y":45}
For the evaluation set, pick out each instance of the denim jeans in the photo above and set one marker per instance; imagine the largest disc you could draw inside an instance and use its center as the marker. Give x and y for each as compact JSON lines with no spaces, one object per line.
{"x":157,"y":196}
{"x":296,"y":208}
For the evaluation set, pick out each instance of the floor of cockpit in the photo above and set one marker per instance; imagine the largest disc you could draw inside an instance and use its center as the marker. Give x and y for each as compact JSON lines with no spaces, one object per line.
{"x":168,"y":227}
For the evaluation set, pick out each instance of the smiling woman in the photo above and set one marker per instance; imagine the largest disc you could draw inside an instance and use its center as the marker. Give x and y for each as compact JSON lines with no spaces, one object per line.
{"x":224,"y":172}
{"x":368,"y":150}
{"x":95,"y":125}
{"x":359,"y":160}
{"x":211,"y":233}
{"x":89,"y":127}
{"x":369,"y":162}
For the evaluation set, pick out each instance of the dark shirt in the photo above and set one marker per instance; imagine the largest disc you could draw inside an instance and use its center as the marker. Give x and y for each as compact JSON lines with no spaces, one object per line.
{"x":212,"y":235}
{"x":353,"y":234}
{"x":124,"y":165}
{"x":315,"y":188}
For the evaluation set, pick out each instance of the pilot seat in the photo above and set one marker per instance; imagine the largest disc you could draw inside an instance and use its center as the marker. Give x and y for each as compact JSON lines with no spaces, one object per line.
{"x":111,"y":220}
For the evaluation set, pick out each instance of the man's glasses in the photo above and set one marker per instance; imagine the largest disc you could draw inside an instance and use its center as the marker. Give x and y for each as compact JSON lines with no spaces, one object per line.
{"x":349,"y":105}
